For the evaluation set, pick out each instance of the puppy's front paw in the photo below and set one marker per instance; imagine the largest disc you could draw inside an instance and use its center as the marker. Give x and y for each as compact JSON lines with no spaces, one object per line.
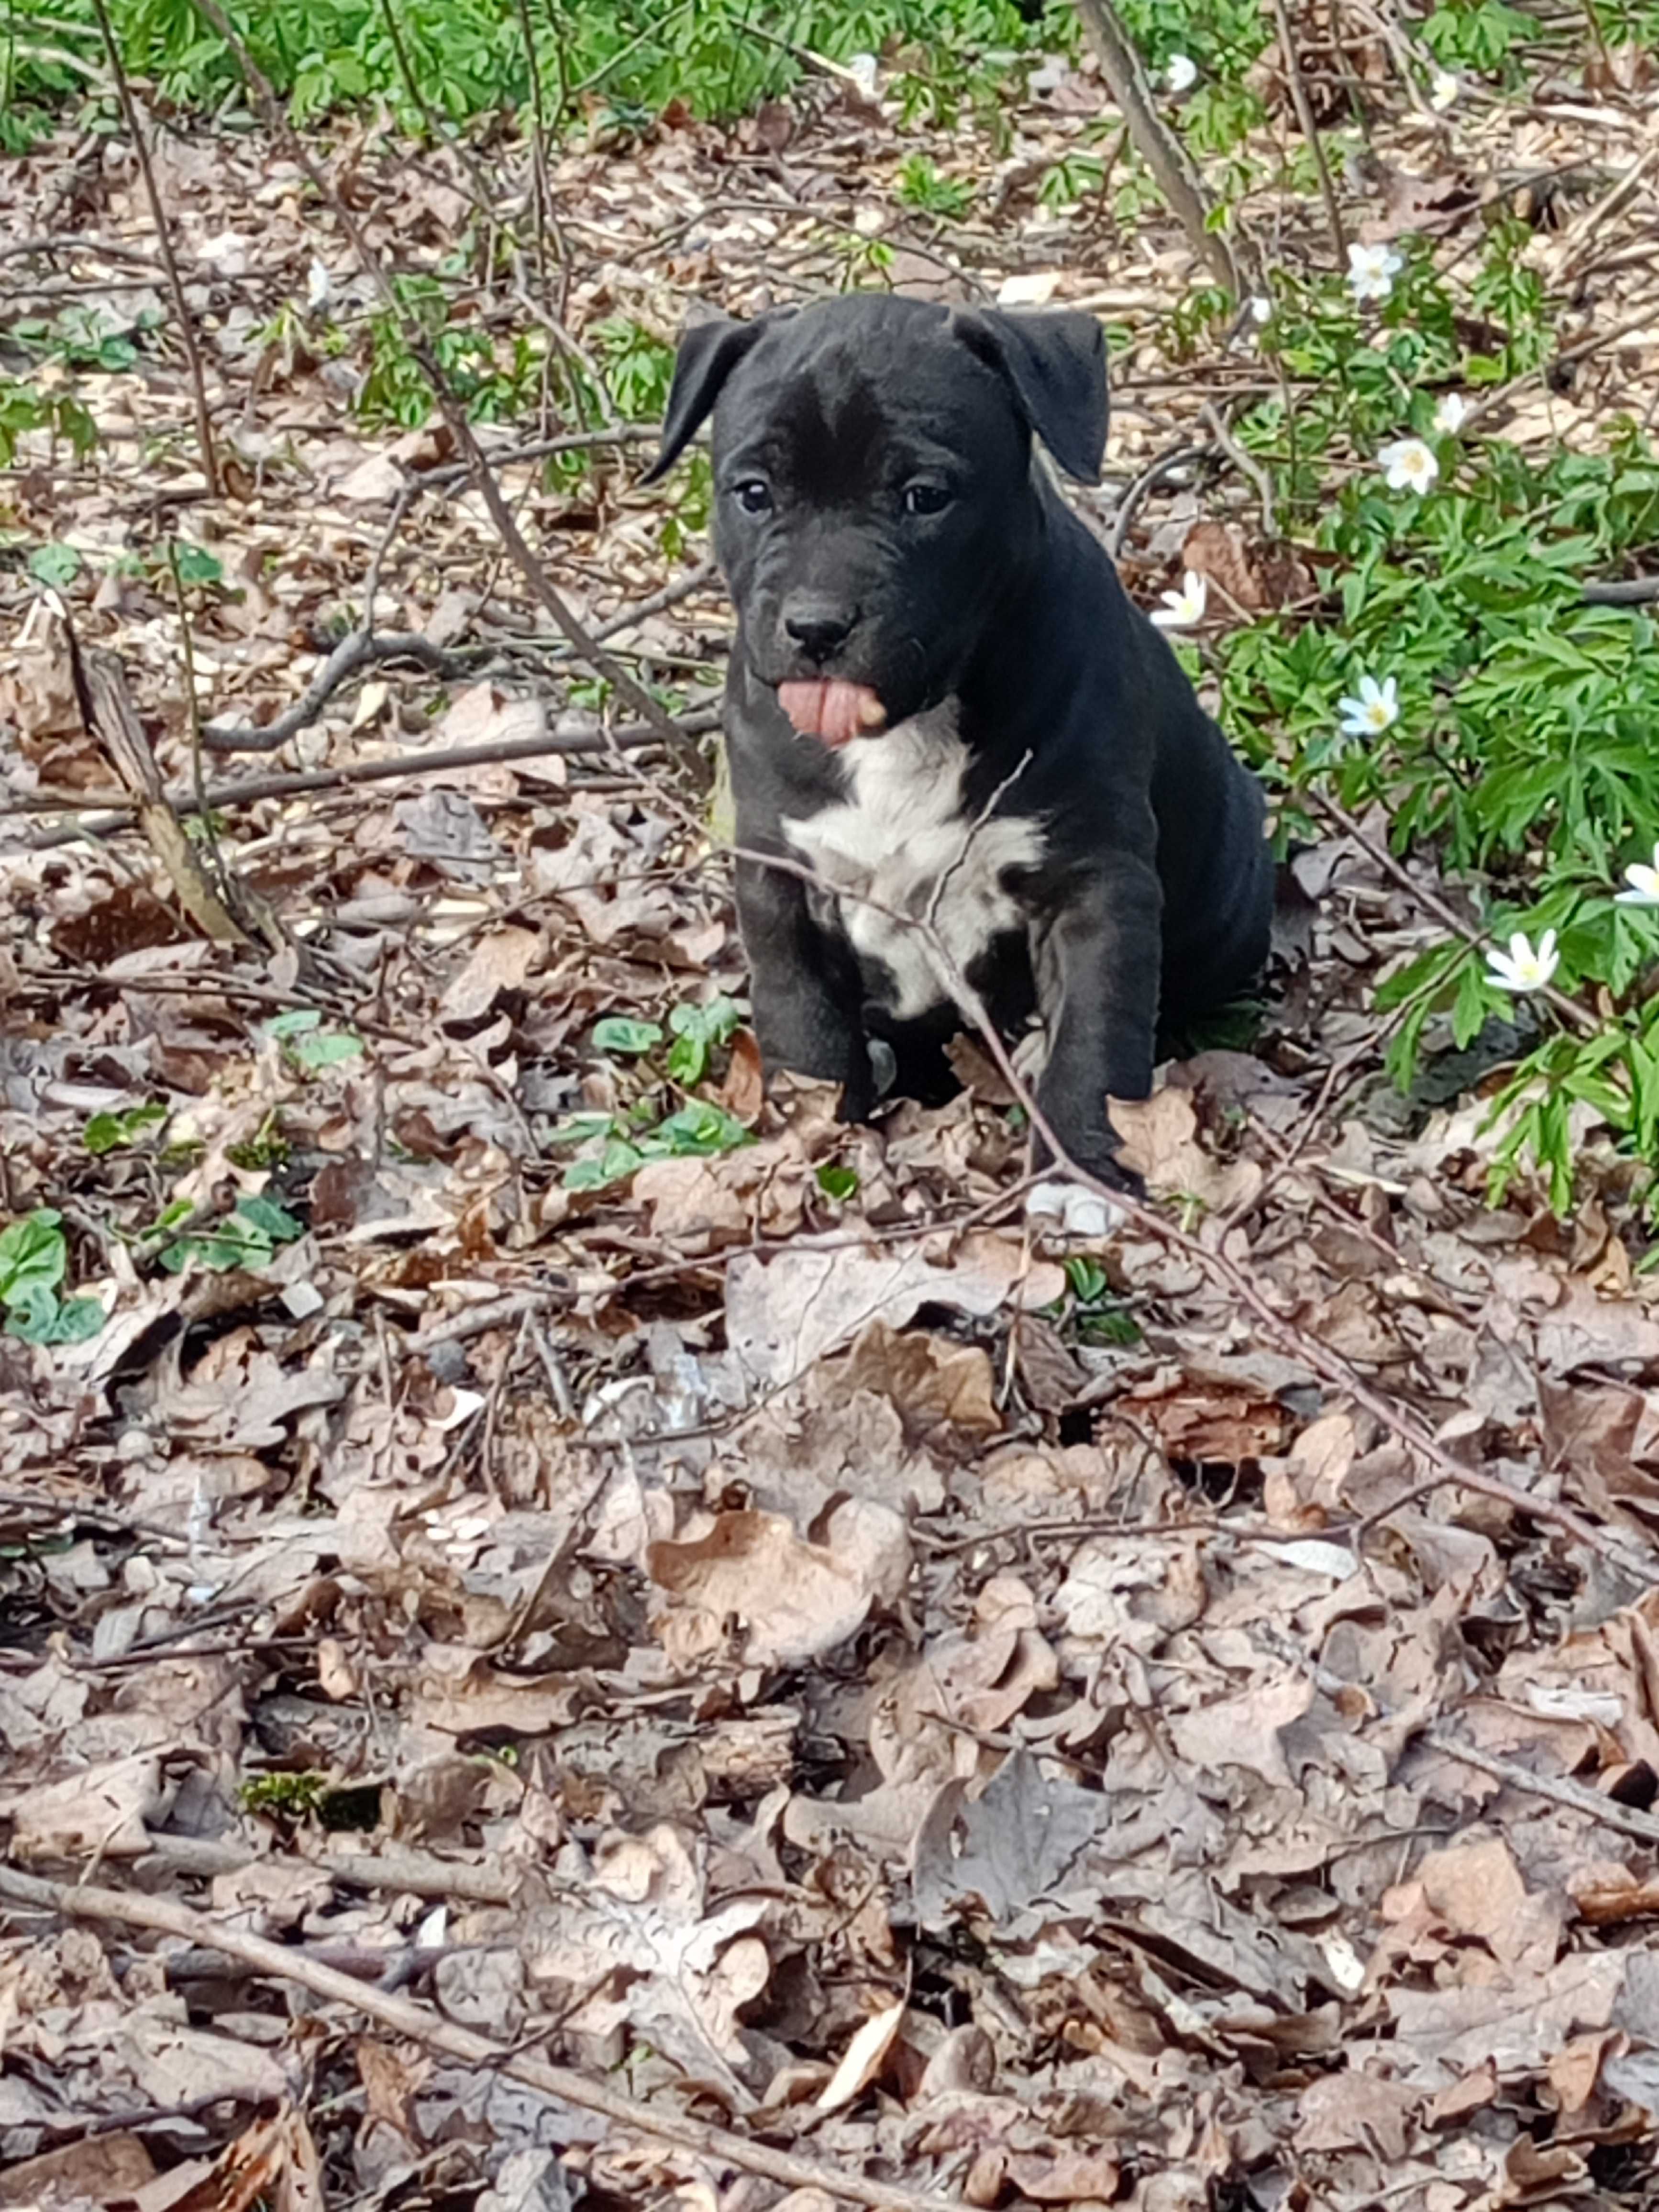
{"x":1066,"y":1209}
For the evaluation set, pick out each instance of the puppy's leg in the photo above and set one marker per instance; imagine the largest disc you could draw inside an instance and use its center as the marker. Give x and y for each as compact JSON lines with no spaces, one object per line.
{"x":1097,"y":985}
{"x":804,"y":982}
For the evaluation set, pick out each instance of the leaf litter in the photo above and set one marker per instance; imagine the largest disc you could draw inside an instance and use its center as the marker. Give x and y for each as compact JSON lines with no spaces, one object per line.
{"x":982,"y":1718}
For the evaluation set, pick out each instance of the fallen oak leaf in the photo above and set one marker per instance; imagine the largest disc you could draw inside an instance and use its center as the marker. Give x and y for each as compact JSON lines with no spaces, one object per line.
{"x":863,"y":2059}
{"x":783,"y":1313}
{"x":790,"y":1599}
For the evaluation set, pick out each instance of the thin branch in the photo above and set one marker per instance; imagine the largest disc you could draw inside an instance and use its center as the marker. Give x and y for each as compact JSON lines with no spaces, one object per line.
{"x":1577,"y":1016}
{"x":242,"y":790}
{"x":1146,"y":482}
{"x":360,"y":650}
{"x":1245,"y":463}
{"x":1555,"y":1789}
{"x":1304,"y":116}
{"x":404,"y":2016}
{"x":1156,"y":144}
{"x":164,"y":238}
{"x":625,"y":686}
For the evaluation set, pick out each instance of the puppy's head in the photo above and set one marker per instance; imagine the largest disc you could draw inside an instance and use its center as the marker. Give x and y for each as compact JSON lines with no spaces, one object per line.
{"x":873,"y":489}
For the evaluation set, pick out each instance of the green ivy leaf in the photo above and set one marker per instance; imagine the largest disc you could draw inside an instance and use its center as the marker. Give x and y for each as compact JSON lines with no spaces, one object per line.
{"x":33,"y":1254}
{"x":78,"y":1320}
{"x":837,"y":1181}
{"x":195,"y":565}
{"x":269,"y":1219}
{"x":107,"y":1133}
{"x":618,"y":1033}
{"x":326,"y":1048}
{"x":56,"y":565}
{"x":32,"y":1313}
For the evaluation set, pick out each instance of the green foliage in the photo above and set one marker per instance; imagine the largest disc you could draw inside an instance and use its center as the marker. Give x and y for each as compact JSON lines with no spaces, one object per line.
{"x":308,"y":1045}
{"x":1476,"y":35}
{"x":290,"y":1797}
{"x":114,"y":1132}
{"x":696,"y":1128}
{"x":698,"y":1031}
{"x":54,"y":564}
{"x":246,"y":1237}
{"x":1522,"y":750}
{"x":920,"y":185}
{"x":23,"y":408}
{"x":620,"y":1033}
{"x":1097,"y":1316}
{"x":599,"y":62}
{"x":33,"y":1262}
{"x":837,"y":1181}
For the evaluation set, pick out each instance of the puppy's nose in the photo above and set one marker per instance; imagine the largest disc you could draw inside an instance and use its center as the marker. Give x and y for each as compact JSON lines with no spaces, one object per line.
{"x":819,"y":626}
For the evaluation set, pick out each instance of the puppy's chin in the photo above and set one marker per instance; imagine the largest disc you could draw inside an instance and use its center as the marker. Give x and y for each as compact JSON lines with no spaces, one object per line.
{"x":832,"y":709}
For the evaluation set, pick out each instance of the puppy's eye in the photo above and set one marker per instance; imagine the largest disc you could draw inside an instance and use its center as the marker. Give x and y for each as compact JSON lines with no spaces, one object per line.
{"x":926,"y":498}
{"x":753,"y":496}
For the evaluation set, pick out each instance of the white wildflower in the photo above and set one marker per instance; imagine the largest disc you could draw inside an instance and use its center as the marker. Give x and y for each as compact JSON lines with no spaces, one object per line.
{"x":1180,"y":73}
{"x":1409,"y":465}
{"x":1375,"y":709}
{"x":1451,"y":414}
{"x":1373,"y":270}
{"x":1444,"y":91}
{"x":1644,"y":882}
{"x":1522,"y":968}
{"x":1182,"y":609}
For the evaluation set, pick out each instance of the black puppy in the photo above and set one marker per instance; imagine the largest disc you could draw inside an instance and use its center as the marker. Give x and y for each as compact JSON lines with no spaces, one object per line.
{"x":940,"y":698}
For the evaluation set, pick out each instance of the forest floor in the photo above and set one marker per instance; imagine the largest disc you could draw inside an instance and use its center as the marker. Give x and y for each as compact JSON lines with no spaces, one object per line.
{"x":533,"y":1670}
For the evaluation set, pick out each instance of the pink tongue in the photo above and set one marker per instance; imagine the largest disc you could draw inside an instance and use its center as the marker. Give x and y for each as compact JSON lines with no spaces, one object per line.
{"x":832,"y":709}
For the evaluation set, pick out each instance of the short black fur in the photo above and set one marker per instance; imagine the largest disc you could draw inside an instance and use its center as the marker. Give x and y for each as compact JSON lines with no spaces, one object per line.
{"x":882,"y":519}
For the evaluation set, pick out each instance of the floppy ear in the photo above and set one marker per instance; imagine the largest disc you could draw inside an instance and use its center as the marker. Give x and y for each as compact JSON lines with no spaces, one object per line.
{"x":1057,"y":366}
{"x":709,"y":353}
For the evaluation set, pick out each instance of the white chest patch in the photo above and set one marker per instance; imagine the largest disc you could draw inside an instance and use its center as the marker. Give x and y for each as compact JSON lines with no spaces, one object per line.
{"x":903,"y":841}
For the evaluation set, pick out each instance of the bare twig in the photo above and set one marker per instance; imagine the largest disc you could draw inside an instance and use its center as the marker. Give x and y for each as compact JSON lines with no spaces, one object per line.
{"x":1304,"y":116}
{"x":404,"y":2016}
{"x":1149,"y":477}
{"x":242,"y":790}
{"x":625,"y":686}
{"x":1245,"y":463}
{"x":111,"y":719}
{"x":1156,"y":144}
{"x":538,"y":449}
{"x":164,"y":238}
{"x":1555,"y":1789}
{"x":360,"y":650}
{"x":1579,"y":1017}
{"x":1621,"y":591}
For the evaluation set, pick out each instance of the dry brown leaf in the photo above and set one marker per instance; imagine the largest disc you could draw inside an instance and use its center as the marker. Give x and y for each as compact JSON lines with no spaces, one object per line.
{"x":784,"y":1313}
{"x":500,"y":961}
{"x":863,"y":2059}
{"x":1160,"y":1142}
{"x":785,"y":1598}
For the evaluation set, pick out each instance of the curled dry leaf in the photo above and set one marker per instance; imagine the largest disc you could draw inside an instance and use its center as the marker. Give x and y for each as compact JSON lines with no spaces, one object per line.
{"x":783,"y":1598}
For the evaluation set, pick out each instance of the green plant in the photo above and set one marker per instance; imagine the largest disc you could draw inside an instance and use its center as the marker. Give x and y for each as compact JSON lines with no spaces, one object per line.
{"x":114,"y":1132}
{"x":920,"y":185}
{"x":697,"y":1128}
{"x":1098,"y":1316}
{"x":33,"y":1262}
{"x":1458,"y":678}
{"x":247,"y":1236}
{"x":308,"y":1045}
{"x":25,"y":407}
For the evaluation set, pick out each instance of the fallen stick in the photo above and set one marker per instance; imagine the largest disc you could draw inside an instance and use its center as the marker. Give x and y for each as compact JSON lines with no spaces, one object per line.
{"x":242,"y":790}
{"x":1554,"y":1789}
{"x":404,"y":2016}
